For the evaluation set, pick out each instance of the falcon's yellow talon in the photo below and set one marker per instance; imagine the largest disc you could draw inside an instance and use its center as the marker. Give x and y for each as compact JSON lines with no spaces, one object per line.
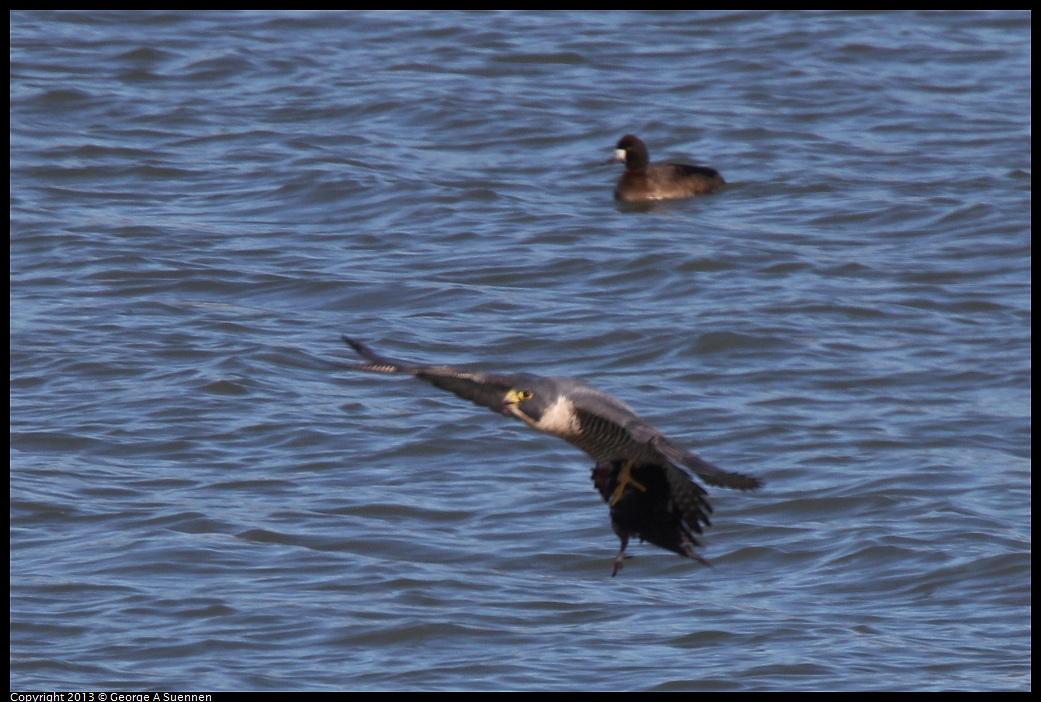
{"x":625,"y":479}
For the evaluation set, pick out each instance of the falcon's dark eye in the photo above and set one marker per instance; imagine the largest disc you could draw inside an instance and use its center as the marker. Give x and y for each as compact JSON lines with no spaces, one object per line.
{"x":524,"y":395}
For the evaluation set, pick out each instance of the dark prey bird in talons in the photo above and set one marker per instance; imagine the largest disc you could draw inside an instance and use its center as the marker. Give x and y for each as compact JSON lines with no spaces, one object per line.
{"x":646,"y":480}
{"x":643,"y":505}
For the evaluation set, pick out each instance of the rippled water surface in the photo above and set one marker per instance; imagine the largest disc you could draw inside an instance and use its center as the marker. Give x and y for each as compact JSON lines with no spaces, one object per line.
{"x":203,"y":497}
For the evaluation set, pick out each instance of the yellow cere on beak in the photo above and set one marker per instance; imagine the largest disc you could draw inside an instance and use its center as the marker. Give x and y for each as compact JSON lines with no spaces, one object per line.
{"x":509,"y":402}
{"x":514,"y":397}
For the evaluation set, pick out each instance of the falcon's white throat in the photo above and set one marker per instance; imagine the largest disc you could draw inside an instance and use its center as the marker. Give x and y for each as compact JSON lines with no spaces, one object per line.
{"x":559,"y":419}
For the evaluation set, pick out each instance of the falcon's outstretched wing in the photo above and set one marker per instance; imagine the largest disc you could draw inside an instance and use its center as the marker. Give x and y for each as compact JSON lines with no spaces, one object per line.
{"x":485,"y":389}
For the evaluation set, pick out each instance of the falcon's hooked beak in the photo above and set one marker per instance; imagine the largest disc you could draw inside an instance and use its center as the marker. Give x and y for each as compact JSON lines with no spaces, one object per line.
{"x":511,"y":402}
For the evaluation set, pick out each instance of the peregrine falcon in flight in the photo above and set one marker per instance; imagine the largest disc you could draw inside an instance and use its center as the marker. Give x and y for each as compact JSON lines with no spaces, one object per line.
{"x":645,"y":479}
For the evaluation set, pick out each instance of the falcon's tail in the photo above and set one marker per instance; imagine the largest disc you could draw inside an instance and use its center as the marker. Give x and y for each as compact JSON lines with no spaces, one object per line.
{"x":708,"y":472}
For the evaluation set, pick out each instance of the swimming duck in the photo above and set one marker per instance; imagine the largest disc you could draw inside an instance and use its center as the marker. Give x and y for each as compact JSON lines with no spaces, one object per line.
{"x":644,"y":181}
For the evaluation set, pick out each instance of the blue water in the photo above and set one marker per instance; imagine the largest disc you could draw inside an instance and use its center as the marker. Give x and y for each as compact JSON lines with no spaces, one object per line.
{"x":203,"y":497}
